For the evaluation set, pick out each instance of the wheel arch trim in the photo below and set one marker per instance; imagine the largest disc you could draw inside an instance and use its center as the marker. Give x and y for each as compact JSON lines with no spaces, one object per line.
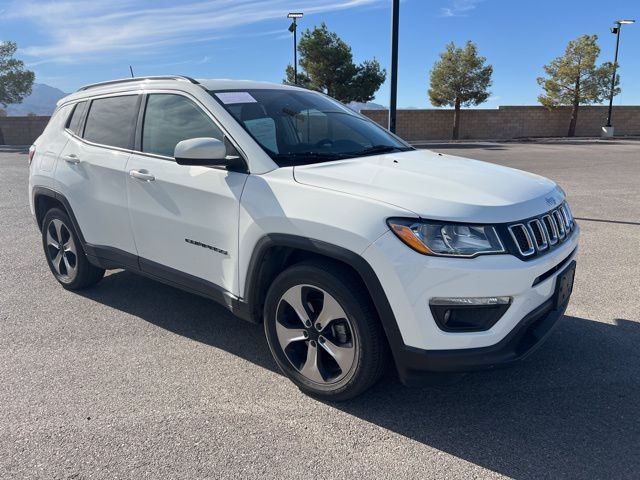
{"x":334,"y":252}
{"x":40,"y":191}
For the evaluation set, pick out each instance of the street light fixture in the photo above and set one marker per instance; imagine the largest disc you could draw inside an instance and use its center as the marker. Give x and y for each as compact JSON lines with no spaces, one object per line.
{"x":294,"y":28}
{"x":608,"y":130}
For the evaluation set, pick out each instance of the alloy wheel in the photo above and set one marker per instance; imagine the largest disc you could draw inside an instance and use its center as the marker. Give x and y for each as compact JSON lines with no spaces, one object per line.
{"x":61,"y":250}
{"x":315,"y":334}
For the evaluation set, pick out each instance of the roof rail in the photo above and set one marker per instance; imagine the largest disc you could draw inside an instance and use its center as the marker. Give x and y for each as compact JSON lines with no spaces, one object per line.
{"x":136,"y":79}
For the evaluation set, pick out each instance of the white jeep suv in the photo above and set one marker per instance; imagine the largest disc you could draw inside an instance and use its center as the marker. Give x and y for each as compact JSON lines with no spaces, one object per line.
{"x":290,"y":209}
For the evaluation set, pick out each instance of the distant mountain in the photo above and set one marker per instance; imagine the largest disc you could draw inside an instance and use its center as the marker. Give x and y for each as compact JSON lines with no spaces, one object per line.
{"x":357,"y":106}
{"x":42,"y":101}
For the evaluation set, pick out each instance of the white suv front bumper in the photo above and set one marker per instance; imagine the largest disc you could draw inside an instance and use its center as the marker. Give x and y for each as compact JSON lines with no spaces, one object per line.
{"x":410,"y":280}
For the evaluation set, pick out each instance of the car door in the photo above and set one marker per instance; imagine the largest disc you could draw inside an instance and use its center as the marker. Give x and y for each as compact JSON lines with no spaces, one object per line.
{"x":184,"y":218}
{"x":91,"y":171}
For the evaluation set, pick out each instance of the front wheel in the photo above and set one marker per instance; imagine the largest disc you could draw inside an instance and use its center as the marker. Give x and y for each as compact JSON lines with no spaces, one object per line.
{"x":323,"y":331}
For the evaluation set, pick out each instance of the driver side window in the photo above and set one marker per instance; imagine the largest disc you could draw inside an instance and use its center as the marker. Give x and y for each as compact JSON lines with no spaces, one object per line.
{"x":169,"y":119}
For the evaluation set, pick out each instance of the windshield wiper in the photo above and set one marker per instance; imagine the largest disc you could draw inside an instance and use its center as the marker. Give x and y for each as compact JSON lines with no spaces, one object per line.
{"x":380,"y":149}
{"x":294,"y":158}
{"x":297,"y":158}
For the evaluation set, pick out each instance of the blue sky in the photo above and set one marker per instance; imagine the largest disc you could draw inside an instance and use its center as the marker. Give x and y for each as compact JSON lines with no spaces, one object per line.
{"x":69,"y":43}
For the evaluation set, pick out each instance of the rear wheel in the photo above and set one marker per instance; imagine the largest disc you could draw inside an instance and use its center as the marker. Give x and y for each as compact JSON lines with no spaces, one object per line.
{"x":323,"y":331}
{"x":64,"y":252}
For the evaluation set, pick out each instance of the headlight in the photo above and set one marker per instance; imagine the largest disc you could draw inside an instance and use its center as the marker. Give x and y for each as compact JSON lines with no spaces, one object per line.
{"x":447,"y":239}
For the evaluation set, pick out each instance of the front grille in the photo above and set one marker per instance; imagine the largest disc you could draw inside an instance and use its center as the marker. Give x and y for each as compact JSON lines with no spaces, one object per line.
{"x":541,"y":233}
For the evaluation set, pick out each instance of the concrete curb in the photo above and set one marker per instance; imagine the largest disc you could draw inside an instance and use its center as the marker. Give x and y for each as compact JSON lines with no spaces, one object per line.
{"x":528,"y":140}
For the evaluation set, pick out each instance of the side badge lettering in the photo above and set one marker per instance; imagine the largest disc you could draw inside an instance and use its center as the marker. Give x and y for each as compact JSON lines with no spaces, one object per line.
{"x":204,"y":245}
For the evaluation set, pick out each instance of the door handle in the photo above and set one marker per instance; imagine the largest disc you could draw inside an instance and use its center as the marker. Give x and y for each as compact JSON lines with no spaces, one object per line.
{"x":72,"y":158}
{"x":142,"y":175}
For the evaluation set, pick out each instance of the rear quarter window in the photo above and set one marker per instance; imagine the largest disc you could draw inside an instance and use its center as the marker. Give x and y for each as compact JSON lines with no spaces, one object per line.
{"x":111,"y":121}
{"x":74,"y":121}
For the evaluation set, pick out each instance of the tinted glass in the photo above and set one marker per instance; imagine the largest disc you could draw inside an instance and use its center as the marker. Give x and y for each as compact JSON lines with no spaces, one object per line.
{"x":112,"y":120}
{"x":297,"y":127}
{"x":169,"y":119}
{"x":75,"y":119}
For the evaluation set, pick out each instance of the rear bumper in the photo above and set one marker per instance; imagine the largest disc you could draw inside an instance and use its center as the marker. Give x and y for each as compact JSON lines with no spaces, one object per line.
{"x":414,"y":365}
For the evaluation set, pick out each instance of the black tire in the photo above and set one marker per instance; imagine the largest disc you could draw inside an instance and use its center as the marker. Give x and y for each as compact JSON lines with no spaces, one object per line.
{"x":365,"y":333}
{"x":72,"y":270}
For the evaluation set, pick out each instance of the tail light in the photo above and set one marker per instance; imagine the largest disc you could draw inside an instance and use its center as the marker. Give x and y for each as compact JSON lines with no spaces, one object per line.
{"x":32,"y":152}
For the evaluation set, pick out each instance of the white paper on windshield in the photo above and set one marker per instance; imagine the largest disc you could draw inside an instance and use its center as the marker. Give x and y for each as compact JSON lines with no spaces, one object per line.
{"x":229,"y":98}
{"x":264,"y":131}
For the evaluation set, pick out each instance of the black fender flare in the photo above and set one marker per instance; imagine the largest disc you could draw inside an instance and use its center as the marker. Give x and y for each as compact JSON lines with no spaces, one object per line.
{"x":48,"y":192}
{"x":325,"y":249}
{"x":98,"y":255}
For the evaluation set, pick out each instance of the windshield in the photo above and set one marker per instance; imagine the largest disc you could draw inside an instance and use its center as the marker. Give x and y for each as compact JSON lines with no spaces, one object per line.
{"x":297,"y":127}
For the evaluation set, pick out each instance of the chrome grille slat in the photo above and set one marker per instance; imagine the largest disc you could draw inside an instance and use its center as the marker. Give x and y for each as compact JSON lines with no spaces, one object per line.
{"x":539,"y":234}
{"x":527,"y":249}
{"x":567,"y":217}
{"x":562,"y":232}
{"x":551,"y":229}
{"x":570,"y":214}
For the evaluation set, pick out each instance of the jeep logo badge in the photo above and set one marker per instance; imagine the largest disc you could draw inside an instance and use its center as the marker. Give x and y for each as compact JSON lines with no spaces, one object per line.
{"x":550,"y":201}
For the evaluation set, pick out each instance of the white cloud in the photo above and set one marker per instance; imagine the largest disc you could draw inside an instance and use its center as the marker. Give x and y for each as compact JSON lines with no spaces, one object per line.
{"x":459,"y":8}
{"x":78,"y":30}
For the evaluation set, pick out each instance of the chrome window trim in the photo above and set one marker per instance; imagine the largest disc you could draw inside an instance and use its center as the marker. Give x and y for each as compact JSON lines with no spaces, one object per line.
{"x":206,"y":111}
{"x":73,"y":105}
{"x":97,"y":97}
{"x":139,"y":91}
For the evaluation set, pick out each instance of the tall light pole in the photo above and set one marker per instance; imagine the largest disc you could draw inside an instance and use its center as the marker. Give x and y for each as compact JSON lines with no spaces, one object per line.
{"x":615,"y":30}
{"x":395,"y":20}
{"x":294,"y":28}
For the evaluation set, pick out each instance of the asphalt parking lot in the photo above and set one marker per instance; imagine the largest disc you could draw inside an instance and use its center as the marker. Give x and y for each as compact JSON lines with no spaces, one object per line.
{"x":134,"y":379}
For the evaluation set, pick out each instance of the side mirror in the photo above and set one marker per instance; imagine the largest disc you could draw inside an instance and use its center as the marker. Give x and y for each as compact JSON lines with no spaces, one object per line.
{"x":205,"y":151}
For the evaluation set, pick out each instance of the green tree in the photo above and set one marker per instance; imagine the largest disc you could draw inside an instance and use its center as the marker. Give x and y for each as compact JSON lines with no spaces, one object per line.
{"x":327,"y":66}
{"x":15,"y":80}
{"x":460,"y":78}
{"x":574,"y":79}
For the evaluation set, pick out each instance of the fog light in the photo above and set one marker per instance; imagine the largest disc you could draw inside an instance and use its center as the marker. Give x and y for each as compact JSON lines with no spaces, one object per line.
{"x":468,"y":314}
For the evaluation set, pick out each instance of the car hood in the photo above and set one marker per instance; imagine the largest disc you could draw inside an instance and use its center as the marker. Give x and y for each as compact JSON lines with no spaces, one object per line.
{"x":438,"y":186}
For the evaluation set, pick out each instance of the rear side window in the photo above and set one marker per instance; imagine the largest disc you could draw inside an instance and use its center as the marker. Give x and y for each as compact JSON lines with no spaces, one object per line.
{"x":111,"y":121}
{"x":169,"y":119}
{"x":75,"y":119}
